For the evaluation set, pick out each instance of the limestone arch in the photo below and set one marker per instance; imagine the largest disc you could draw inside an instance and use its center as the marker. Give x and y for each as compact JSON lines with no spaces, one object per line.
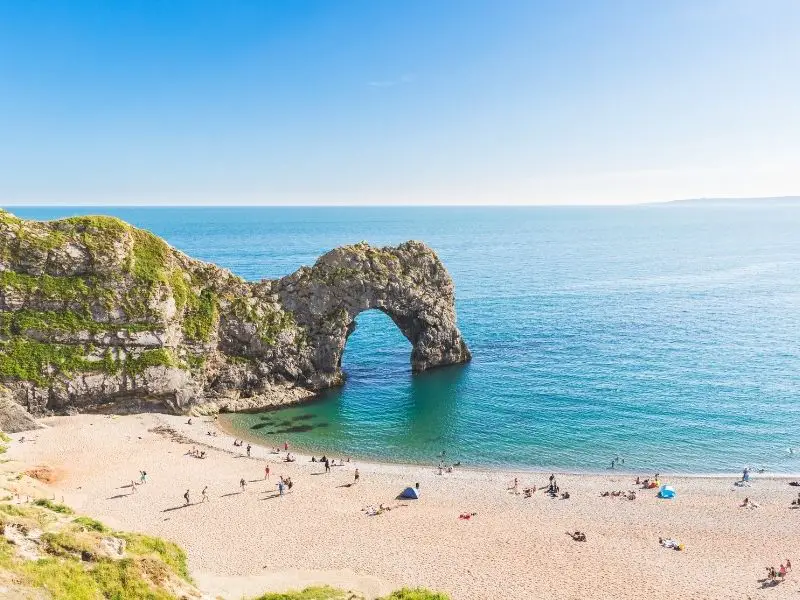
{"x":407,"y":282}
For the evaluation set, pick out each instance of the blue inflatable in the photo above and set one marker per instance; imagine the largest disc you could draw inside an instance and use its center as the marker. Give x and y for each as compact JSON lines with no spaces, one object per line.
{"x":666,"y":491}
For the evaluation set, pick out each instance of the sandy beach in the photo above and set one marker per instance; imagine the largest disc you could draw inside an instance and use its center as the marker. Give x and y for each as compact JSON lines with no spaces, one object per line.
{"x":246,"y":542}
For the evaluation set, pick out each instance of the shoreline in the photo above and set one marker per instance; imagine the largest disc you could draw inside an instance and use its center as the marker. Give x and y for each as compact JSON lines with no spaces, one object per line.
{"x":223,"y":426}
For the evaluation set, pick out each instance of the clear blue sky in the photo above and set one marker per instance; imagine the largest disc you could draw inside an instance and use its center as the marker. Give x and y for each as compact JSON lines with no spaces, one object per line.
{"x":378,"y":102}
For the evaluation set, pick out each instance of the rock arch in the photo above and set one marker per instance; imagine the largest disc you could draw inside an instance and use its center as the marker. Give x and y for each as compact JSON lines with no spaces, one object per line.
{"x":408,"y":283}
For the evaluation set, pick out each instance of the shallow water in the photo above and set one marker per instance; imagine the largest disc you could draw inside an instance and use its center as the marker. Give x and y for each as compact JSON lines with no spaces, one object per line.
{"x":668,"y":335}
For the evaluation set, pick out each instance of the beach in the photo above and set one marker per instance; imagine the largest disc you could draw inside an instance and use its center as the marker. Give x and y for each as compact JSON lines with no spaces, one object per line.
{"x":247,"y":542}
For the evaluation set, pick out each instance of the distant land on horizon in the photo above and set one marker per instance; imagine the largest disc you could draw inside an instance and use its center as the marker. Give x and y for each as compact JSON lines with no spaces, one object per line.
{"x":723,"y":201}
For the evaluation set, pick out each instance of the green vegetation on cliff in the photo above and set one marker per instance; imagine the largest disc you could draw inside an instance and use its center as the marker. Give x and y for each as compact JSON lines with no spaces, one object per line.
{"x":29,"y":360}
{"x":269,"y":320}
{"x":65,"y":321}
{"x":201,"y":316}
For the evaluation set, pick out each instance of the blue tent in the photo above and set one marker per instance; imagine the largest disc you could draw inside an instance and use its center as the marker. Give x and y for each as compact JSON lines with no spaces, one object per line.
{"x":666,"y":491}
{"x":411,"y":493}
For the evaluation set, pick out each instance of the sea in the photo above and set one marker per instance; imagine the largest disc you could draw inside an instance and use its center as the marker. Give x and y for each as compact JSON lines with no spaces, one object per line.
{"x":667,"y":336}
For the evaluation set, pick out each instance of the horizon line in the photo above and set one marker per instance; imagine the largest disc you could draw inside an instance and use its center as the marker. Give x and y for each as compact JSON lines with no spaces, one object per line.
{"x":402,"y":205}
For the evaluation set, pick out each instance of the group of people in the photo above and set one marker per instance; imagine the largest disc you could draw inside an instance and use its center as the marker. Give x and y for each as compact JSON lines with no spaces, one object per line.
{"x":648,"y":484}
{"x":629,"y":495}
{"x":778,"y":575}
{"x":197,"y":453}
{"x":187,"y":498}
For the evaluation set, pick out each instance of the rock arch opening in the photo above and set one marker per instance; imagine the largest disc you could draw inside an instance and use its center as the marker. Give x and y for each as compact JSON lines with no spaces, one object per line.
{"x":374,"y":344}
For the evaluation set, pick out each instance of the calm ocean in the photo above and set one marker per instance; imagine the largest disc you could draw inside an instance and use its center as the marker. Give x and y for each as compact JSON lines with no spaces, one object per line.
{"x":667,"y":335}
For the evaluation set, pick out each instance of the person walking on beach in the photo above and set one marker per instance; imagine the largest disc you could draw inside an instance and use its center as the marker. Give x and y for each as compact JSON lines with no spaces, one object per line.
{"x":327,"y":465}
{"x":248,"y":450}
{"x":186,"y":497}
{"x":142,"y":476}
{"x":242,"y":483}
{"x":204,"y":494}
{"x":266,"y":472}
{"x":356,"y":475}
{"x":133,"y":486}
{"x":280,"y":487}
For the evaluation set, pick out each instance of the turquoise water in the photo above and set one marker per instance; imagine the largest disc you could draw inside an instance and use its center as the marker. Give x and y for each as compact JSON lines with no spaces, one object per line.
{"x":669,"y":335}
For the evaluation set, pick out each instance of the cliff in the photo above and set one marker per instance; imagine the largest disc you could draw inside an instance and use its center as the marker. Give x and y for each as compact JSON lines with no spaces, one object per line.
{"x":98,"y":315}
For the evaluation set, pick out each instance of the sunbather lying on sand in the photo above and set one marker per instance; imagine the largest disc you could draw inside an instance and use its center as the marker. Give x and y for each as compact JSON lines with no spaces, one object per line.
{"x":467,"y":516}
{"x":670,"y":543}
{"x":578,"y":536}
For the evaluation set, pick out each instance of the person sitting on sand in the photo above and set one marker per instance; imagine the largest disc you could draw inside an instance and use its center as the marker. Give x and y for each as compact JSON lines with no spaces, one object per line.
{"x":565,"y":496}
{"x":189,"y":422}
{"x":578,"y":536}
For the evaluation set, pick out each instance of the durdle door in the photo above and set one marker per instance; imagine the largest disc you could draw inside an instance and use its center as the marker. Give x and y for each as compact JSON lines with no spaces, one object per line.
{"x":96,"y":314}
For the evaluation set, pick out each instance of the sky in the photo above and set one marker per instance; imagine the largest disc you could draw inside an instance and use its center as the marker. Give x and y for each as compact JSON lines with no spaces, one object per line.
{"x":397,"y":101}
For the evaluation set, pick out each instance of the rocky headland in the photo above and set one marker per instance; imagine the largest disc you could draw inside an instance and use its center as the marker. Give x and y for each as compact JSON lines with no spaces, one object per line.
{"x":97,"y":315}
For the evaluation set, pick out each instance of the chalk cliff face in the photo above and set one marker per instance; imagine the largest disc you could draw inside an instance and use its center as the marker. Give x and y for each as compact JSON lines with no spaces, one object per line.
{"x":98,"y":315}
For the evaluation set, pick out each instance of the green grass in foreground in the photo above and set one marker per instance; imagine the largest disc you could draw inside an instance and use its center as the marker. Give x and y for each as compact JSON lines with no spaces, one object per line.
{"x":416,"y":594}
{"x":311,"y":593}
{"x":329,"y":593}
{"x":54,"y":506}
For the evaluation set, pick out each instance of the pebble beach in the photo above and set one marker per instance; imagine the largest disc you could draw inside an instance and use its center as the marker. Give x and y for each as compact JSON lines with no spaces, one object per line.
{"x":242,"y":543}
